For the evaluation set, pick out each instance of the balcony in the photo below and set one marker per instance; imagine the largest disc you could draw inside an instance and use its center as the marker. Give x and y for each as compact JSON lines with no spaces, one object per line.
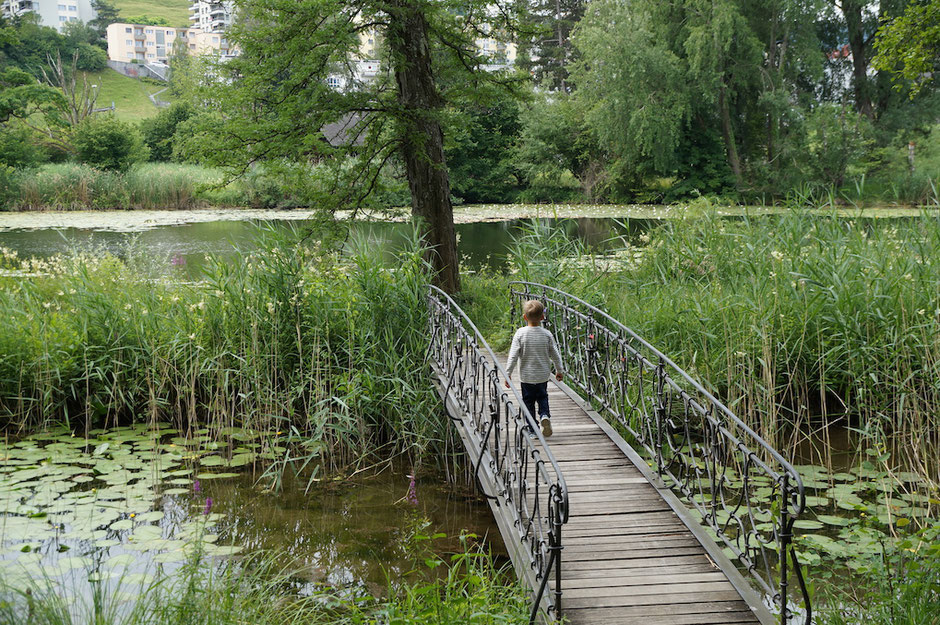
{"x":139,"y":48}
{"x":217,"y":11}
{"x":194,"y":17}
{"x":218,"y":24}
{"x":140,"y":36}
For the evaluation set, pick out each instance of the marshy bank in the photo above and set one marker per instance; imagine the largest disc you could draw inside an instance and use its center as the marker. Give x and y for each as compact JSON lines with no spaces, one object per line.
{"x":802,"y":322}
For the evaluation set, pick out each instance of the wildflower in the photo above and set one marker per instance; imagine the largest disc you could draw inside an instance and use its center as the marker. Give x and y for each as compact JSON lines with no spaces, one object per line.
{"x":270,"y":308}
{"x":192,"y":336}
{"x":208,"y":507}
{"x":133,"y":515}
{"x":412,"y":495}
{"x":177,"y":260}
{"x":127,"y":306}
{"x":196,"y":486}
{"x":778,"y":255}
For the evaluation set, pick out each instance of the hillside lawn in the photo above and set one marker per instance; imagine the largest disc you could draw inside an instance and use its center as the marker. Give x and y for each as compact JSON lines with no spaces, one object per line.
{"x":128,"y":94}
{"x":175,"y":11}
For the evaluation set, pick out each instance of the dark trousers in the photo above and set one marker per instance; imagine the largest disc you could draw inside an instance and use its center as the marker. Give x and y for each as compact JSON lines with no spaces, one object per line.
{"x":536,"y":394}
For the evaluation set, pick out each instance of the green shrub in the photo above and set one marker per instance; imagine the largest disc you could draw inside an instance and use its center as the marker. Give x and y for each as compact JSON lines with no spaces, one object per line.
{"x":19,"y":148}
{"x":108,"y":143}
{"x":159,"y":131}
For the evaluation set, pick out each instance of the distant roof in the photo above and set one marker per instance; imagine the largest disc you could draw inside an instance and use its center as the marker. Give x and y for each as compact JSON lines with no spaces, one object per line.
{"x":342,"y":131}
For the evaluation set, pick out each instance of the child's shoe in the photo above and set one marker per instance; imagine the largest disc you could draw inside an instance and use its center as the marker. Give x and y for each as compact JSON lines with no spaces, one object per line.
{"x":546,"y":427}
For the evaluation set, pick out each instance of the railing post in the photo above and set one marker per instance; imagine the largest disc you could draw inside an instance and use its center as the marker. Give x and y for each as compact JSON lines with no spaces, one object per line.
{"x":556,"y":548}
{"x":660,"y":413}
{"x":785,"y":536}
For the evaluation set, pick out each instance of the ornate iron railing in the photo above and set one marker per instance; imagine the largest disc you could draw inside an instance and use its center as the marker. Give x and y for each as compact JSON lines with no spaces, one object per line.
{"x":503,"y":443}
{"x":745,"y":491}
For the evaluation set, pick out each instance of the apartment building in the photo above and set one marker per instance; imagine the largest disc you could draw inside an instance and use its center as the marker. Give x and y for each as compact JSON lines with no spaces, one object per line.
{"x":146,"y":44}
{"x":211,"y":15}
{"x":55,"y":13}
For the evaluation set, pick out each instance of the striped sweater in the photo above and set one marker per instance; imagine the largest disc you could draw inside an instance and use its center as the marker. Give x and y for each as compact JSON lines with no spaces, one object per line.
{"x":534,"y":348}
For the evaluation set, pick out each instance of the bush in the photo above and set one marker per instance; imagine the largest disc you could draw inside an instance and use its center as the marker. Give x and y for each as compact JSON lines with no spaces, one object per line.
{"x":108,"y":143}
{"x":17,"y":148}
{"x":91,"y":58}
{"x":159,"y":131}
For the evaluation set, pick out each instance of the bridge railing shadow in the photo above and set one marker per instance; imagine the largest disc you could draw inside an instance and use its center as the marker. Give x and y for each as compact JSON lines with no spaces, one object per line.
{"x":742,"y":488}
{"x":508,"y":453}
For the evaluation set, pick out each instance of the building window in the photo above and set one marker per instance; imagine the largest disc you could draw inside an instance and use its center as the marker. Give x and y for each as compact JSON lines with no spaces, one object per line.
{"x":61,"y":7}
{"x":215,"y":40}
{"x":333,"y":82}
{"x":149,"y":56}
{"x":169,"y":33}
{"x":73,"y":9}
{"x":193,"y":46}
{"x":371,"y":42}
{"x":149,"y":31}
{"x":183,"y":35}
{"x":128,"y":42}
{"x":73,"y":19}
{"x":62,"y":18}
{"x":128,"y":30}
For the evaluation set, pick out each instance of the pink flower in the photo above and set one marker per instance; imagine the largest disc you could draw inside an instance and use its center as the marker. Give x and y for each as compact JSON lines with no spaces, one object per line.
{"x":177,"y":260}
{"x":208,"y":506}
{"x":196,"y":486}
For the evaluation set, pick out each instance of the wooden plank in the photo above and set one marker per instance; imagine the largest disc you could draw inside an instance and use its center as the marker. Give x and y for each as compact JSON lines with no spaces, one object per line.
{"x":639,"y":579}
{"x":576,"y":555}
{"x":636,"y":590}
{"x":637,"y":616}
{"x":642,"y":562}
{"x":651,"y":571}
{"x":652,"y":599}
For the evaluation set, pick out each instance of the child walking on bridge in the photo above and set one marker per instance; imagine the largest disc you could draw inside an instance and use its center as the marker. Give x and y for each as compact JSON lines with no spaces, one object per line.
{"x":534,"y":348}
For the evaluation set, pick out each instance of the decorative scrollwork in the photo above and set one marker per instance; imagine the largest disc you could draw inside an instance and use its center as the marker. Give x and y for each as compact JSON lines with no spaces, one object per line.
{"x":744,"y":490}
{"x":503,"y":442}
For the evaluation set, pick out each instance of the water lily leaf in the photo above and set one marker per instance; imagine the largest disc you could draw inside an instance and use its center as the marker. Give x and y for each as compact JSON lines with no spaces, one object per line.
{"x":215,"y":476}
{"x":176,"y":491}
{"x":807,"y":524}
{"x":830,"y":519}
{"x":816,"y":501}
{"x":150,"y":517}
{"x":124,"y":524}
{"x":212,"y":461}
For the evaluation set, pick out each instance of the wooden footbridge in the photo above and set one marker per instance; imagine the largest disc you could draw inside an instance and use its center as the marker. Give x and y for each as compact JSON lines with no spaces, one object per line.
{"x":651,"y":503}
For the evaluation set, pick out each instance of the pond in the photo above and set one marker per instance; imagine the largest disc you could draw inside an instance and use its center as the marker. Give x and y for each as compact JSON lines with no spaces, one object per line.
{"x":480,"y":244}
{"x":132,"y":502}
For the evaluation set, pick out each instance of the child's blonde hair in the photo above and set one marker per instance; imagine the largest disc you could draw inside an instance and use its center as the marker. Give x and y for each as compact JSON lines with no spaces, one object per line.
{"x":533,"y":310}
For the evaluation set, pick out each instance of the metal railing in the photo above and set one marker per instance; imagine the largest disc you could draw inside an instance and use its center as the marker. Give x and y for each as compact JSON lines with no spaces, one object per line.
{"x":528,"y":484}
{"x":745,"y":491}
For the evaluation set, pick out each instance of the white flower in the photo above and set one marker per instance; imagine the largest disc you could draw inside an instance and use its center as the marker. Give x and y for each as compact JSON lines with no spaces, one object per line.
{"x":778,"y":255}
{"x":127,"y":306}
{"x":271,"y":308}
{"x":192,"y":337}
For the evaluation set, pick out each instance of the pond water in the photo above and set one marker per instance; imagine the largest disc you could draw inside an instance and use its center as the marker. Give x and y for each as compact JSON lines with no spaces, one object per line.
{"x":479,"y":244}
{"x":132,"y":502}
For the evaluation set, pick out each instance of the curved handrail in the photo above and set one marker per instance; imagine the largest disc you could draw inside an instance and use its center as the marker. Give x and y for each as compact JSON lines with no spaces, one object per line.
{"x":501,"y":435}
{"x":712,"y":458}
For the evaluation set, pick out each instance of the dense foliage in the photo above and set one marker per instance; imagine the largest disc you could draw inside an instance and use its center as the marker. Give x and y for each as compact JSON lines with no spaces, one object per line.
{"x":287,"y":338}
{"x":796,"y":321}
{"x":108,"y":143}
{"x":635,"y":101}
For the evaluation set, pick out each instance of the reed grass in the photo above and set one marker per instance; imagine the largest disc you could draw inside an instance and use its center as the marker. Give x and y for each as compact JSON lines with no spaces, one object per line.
{"x":261,"y":590}
{"x":326,"y":351}
{"x":797,"y":321}
{"x":164,"y":186}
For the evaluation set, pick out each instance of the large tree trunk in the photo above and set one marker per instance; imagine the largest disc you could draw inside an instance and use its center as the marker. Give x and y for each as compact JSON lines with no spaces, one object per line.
{"x":422,"y":138}
{"x":852,"y":10}
{"x":727,"y":132}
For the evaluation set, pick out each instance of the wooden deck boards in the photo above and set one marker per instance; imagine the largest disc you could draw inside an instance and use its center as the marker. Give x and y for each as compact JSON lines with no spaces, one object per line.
{"x":627,"y":557}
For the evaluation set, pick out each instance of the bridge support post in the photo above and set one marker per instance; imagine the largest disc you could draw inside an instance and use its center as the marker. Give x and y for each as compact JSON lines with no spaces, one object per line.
{"x":785,"y":536}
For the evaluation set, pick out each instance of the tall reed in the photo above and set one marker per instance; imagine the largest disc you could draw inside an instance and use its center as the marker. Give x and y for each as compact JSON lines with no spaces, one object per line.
{"x":288,"y":339}
{"x":797,"y":321}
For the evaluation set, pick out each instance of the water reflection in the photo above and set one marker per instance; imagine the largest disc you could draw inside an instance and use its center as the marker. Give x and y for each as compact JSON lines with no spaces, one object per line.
{"x":480,"y":244}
